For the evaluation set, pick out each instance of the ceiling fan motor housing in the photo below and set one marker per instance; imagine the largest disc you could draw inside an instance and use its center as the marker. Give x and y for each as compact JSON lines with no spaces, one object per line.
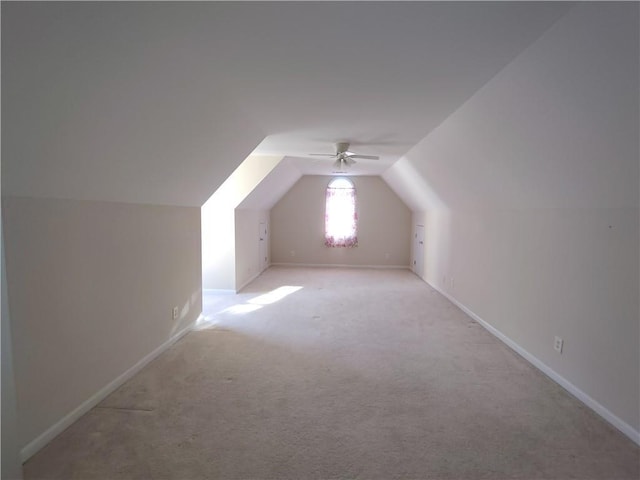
{"x":342,"y":147}
{"x":344,"y":158}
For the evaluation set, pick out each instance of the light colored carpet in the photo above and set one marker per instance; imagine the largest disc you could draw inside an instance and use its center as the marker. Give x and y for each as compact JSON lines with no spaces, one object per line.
{"x":361,"y":373}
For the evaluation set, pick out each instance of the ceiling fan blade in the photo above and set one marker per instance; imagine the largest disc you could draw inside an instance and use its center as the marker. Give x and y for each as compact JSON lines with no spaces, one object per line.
{"x":321,"y":154}
{"x":365,"y":157}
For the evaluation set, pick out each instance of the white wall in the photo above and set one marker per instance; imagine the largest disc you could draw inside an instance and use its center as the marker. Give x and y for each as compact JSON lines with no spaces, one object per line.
{"x":536,"y":222}
{"x":247,"y":251}
{"x":218,"y":221}
{"x":11,"y":467}
{"x":384,"y":225}
{"x":92,"y":286}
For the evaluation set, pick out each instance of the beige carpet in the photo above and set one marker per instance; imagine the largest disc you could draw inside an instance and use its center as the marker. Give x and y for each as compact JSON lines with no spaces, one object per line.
{"x":360,"y":373}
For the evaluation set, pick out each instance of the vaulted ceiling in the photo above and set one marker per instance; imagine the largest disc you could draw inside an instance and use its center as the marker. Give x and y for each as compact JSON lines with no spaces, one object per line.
{"x":159,"y":102}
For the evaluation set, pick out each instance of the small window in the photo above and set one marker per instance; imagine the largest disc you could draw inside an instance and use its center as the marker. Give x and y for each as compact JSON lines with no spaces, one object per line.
{"x":340,"y":215}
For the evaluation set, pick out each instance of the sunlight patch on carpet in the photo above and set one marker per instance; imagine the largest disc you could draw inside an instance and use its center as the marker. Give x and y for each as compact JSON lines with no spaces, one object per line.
{"x":274,"y":295}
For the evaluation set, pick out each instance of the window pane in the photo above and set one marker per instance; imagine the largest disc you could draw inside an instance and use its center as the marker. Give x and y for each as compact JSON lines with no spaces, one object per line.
{"x":340,"y":215}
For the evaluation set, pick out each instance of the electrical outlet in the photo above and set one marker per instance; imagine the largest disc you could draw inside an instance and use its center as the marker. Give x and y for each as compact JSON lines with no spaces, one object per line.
{"x":557,"y":344}
{"x":175,"y":313}
{"x":444,"y":280}
{"x":451,"y":282}
{"x":386,"y":256}
{"x":293,"y":253}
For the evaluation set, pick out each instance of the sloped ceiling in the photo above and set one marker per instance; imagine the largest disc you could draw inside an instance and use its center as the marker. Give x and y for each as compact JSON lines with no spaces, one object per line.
{"x":273,"y":187}
{"x":545,"y":132}
{"x":160,"y":102}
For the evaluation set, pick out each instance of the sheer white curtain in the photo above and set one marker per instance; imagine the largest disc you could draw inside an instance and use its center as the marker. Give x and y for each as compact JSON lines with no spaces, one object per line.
{"x":340,"y":215}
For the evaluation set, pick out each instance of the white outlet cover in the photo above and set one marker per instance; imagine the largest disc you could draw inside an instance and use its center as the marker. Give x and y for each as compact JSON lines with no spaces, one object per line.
{"x":557,"y":344}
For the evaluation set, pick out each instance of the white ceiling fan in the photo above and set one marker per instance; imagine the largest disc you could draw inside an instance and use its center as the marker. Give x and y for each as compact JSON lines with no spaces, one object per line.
{"x":344,"y":158}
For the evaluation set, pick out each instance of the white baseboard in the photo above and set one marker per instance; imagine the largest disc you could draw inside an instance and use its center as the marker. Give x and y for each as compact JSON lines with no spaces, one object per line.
{"x":218,"y":291}
{"x":248,"y":282}
{"x":338,"y":265}
{"x":56,"y":429}
{"x":614,"y":420}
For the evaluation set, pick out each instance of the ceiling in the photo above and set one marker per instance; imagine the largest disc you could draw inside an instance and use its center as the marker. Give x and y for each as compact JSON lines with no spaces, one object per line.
{"x":159,"y":102}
